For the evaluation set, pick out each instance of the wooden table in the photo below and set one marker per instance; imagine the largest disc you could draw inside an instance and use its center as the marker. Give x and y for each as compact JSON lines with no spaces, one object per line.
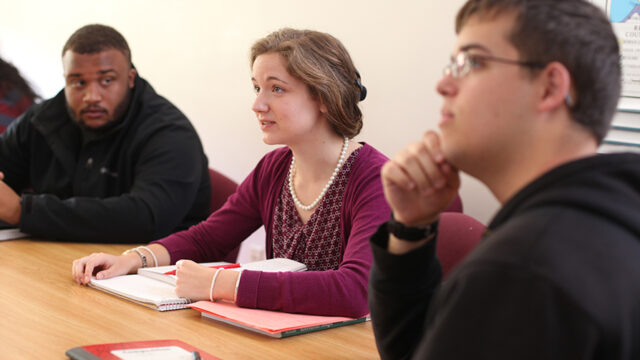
{"x":43,"y":312}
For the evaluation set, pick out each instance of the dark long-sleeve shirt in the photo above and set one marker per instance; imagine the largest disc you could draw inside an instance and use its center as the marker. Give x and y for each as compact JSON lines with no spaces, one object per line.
{"x":556,"y":277}
{"x":136,"y":181}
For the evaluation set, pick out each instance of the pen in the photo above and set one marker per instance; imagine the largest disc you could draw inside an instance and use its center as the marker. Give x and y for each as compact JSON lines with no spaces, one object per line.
{"x":226,"y":266}
{"x":196,"y":355}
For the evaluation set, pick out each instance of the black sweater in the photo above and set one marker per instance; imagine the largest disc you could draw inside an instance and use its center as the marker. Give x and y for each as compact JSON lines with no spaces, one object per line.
{"x":139,"y":180}
{"x":557,"y":276}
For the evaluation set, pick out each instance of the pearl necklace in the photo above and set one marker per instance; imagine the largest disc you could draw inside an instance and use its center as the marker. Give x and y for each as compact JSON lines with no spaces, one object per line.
{"x":315,"y":202}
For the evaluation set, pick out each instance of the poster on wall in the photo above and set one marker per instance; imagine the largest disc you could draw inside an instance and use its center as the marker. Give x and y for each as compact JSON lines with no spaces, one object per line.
{"x":625,"y":20}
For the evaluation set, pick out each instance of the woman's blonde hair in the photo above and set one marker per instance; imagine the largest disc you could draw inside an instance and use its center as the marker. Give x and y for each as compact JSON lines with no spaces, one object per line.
{"x":324,"y":65}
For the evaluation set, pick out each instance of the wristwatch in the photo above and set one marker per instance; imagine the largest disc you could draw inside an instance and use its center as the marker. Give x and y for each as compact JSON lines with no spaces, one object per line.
{"x":410,"y":233}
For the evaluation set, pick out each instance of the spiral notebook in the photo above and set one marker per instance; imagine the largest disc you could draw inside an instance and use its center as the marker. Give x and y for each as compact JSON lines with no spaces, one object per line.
{"x":142,"y":290}
{"x":153,"y":289}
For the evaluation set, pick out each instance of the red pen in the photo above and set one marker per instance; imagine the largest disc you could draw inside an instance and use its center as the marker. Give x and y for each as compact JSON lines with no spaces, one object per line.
{"x":225,"y":266}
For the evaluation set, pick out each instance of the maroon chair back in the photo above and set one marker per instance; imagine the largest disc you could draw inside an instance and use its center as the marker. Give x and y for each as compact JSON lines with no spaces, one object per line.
{"x":221,"y":188}
{"x":458,"y":234}
{"x":456,"y":205}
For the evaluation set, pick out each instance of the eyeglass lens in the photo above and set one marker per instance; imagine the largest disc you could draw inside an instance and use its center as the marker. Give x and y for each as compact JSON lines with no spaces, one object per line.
{"x":458,"y":66}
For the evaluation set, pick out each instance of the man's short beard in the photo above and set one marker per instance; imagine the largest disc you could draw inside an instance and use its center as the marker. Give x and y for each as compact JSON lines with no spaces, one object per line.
{"x":121,"y":109}
{"x":118,"y":113}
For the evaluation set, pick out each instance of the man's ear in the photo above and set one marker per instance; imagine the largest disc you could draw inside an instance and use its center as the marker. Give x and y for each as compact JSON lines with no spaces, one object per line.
{"x":131,"y":77}
{"x":555,"y":82}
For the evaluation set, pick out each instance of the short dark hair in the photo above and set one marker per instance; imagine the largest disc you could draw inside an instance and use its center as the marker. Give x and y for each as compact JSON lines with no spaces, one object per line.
{"x":94,"y":38}
{"x":10,"y":78}
{"x":575,"y":33}
{"x":321,"y":62}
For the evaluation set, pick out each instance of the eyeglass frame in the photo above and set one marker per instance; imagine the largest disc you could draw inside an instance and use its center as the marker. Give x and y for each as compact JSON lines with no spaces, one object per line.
{"x":454,"y":70}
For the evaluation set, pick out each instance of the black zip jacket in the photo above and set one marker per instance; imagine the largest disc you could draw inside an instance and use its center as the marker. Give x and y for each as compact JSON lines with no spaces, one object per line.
{"x":557,"y":276}
{"x":141,"y":179}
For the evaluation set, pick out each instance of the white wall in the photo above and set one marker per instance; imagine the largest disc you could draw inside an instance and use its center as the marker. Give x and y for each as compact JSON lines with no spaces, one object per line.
{"x":195,"y":53}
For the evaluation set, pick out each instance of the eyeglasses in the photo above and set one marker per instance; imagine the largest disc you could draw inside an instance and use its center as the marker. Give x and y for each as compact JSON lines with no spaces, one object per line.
{"x":463,"y":62}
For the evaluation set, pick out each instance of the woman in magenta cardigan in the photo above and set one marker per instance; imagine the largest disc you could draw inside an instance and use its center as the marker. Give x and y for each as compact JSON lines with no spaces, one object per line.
{"x":320,"y":198}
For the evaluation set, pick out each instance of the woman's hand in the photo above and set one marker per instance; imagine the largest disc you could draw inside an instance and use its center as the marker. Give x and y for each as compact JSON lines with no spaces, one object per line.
{"x":103,"y":266}
{"x":193,"y":281}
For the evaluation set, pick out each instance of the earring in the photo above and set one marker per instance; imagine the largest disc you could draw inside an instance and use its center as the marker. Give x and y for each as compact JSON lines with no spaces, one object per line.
{"x":568,"y":100}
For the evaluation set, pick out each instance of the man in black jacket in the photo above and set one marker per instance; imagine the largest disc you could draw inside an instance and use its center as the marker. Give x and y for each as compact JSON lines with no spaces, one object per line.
{"x":105,"y":160}
{"x":528,"y":96}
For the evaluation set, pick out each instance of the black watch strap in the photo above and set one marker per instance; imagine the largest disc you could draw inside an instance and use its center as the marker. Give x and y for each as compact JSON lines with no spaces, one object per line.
{"x":410,"y":233}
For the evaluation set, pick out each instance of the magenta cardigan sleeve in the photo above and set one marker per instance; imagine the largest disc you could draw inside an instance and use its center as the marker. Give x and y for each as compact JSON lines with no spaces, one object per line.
{"x":225,"y":229}
{"x":341,"y":292}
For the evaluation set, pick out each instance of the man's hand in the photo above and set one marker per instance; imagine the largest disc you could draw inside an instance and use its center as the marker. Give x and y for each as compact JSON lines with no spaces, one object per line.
{"x":10,"y":206}
{"x":419,"y":183}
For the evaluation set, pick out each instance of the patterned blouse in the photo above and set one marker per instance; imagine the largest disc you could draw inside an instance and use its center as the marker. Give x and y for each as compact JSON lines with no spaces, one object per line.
{"x":317,"y":243}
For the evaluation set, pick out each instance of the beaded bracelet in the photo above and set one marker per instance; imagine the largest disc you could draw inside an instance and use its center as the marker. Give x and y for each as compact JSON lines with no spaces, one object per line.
{"x":213,"y":281}
{"x":155,"y":259}
{"x":142,"y":256}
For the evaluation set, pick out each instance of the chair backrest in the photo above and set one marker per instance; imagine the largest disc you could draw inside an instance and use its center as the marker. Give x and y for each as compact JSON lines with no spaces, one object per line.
{"x":221,"y":188}
{"x":456,"y":205}
{"x":458,"y":234}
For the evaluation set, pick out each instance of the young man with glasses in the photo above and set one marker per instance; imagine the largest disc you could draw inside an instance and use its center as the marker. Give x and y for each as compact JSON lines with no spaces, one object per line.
{"x":528,"y":97}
